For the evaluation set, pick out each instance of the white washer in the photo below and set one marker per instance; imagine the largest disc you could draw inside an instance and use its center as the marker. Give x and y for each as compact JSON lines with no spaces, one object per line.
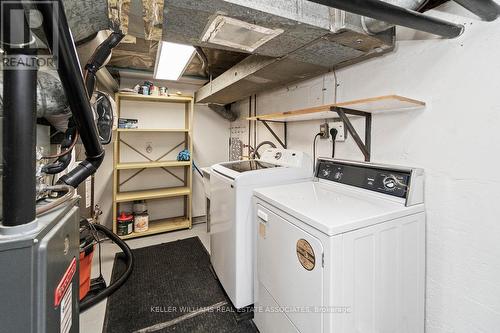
{"x":232,"y":235}
{"x":342,"y":253}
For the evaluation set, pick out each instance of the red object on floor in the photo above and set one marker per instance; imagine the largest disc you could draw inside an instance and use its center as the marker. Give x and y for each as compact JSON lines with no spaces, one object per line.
{"x":85,"y":268}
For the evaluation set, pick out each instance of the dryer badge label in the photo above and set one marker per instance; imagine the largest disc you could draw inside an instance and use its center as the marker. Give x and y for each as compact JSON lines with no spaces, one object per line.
{"x":305,"y":254}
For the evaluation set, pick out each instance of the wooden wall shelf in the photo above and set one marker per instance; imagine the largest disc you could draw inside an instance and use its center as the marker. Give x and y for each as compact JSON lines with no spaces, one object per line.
{"x":357,"y":108}
{"x":369,"y":105}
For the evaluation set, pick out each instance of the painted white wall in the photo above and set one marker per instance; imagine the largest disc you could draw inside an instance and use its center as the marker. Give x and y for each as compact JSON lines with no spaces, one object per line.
{"x":210,"y":133}
{"x":455,"y":139}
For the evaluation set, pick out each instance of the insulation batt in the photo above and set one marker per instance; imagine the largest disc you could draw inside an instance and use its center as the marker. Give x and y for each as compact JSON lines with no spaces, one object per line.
{"x":51,"y":101}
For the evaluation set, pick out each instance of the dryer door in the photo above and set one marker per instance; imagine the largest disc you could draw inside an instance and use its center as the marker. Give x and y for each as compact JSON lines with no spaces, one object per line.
{"x":290,"y":271}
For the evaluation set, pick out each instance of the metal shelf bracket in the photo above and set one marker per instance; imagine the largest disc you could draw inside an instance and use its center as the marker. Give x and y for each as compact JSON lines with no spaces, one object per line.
{"x":283,"y":142}
{"x":365,"y":146}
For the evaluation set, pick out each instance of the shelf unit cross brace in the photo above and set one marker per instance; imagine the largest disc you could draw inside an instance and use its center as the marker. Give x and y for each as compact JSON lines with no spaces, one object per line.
{"x":283,"y":142}
{"x":365,"y":146}
{"x":151,"y":160}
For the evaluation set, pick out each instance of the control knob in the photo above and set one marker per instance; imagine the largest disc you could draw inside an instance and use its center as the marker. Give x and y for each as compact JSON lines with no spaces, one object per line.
{"x":326,"y":173}
{"x":390,"y":183}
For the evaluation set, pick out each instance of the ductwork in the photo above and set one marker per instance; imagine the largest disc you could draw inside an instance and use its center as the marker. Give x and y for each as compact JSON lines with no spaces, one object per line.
{"x":86,"y":18}
{"x":287,"y":41}
{"x":224,"y":111}
{"x":292,"y":40}
{"x":373,"y":26}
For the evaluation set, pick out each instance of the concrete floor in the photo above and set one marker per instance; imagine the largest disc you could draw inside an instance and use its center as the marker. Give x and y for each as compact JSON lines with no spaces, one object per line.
{"x":91,"y":321}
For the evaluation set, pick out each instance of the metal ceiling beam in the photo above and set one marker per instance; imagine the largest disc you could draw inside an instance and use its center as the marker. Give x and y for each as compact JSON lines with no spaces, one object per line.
{"x":487,"y":10}
{"x":397,"y":15}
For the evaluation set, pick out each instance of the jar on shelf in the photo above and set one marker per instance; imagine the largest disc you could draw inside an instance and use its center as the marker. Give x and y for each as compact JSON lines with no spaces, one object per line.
{"x":141,"y":216}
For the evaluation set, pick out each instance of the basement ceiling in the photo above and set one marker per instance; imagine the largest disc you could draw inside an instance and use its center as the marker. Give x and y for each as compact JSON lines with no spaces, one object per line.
{"x":287,"y":40}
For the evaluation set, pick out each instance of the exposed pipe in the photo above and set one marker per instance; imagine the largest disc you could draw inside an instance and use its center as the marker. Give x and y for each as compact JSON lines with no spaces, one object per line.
{"x":487,"y":10}
{"x":98,"y":59}
{"x":64,"y":158}
{"x":224,"y":111}
{"x":396,"y":15}
{"x":55,"y":26}
{"x":373,"y":26}
{"x":19,"y":125}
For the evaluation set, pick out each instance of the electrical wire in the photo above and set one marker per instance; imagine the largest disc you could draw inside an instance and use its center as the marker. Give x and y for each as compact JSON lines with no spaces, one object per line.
{"x":95,"y":235}
{"x":70,"y":192}
{"x":64,"y":152}
{"x":333,"y":133}
{"x":91,"y":301}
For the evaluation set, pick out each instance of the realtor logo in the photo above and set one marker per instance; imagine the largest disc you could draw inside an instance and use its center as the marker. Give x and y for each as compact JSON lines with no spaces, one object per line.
{"x":22,"y":32}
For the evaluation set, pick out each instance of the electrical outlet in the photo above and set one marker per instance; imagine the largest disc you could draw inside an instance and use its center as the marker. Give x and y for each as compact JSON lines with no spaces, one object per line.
{"x":324,"y":129}
{"x":342,"y":131}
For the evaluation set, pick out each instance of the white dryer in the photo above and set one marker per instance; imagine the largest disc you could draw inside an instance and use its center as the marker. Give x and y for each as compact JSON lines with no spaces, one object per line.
{"x":342,"y":253}
{"x":232,"y":235}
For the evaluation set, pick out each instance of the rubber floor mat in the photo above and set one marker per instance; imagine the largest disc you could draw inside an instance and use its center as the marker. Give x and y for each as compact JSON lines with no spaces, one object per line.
{"x":171,"y":289}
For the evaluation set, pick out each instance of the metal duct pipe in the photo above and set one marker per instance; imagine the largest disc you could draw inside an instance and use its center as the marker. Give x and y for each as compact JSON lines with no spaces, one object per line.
{"x":19,"y":125}
{"x":487,"y":10}
{"x":373,"y":26}
{"x":55,"y":26}
{"x":396,"y":15}
{"x":224,"y":111}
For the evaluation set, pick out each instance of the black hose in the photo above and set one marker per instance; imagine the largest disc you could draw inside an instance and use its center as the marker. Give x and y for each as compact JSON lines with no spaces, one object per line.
{"x":57,"y":31}
{"x":256,"y":150}
{"x":64,"y":160}
{"x":89,"y":302}
{"x":98,"y":59}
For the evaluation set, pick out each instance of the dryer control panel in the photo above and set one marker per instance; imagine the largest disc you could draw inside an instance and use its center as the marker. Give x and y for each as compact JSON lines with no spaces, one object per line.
{"x":370,"y":177}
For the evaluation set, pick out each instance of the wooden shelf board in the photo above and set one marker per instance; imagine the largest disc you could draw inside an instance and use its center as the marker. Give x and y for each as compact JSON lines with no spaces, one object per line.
{"x":138,"y":130}
{"x":152,"y":194}
{"x":166,"y":99}
{"x":370,"y":105}
{"x":160,"y":226}
{"x":148,"y":165}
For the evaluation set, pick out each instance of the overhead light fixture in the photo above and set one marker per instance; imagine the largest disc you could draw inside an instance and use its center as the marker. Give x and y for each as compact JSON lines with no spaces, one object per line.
{"x":172,"y":59}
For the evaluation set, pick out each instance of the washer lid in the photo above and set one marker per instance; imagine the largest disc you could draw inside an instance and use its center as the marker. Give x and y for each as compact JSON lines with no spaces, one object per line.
{"x":333,"y":208}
